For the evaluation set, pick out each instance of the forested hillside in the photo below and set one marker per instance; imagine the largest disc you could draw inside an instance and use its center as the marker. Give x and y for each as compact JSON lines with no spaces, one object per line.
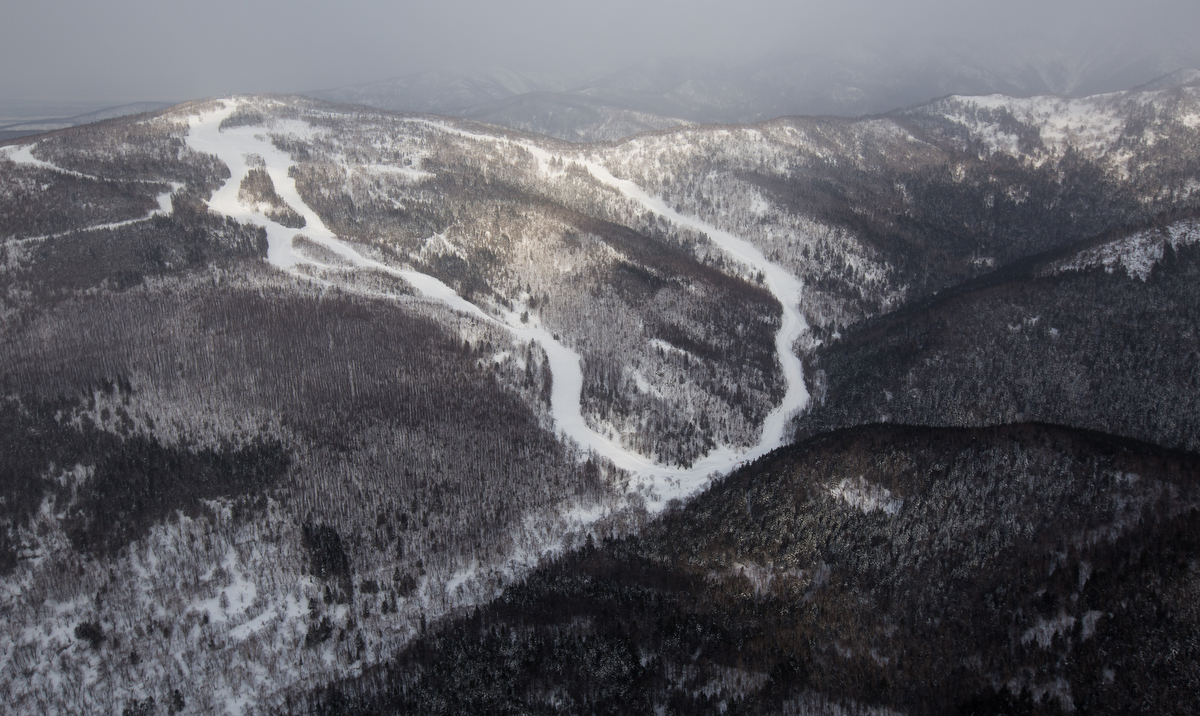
{"x":1104,"y":338}
{"x":1020,"y":569}
{"x":289,"y":389}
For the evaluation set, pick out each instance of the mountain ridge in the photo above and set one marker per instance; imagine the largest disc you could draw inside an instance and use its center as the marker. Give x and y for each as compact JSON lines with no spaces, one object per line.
{"x":854,"y":81}
{"x":324,"y":278}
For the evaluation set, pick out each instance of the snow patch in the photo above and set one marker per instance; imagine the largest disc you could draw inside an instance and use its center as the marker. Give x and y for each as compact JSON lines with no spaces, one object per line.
{"x":859,"y":493}
{"x":234,"y":598}
{"x":1136,"y":255}
{"x":409,"y":175}
{"x":643,"y":385}
{"x":439,"y":245}
{"x":1046,"y":629}
{"x":671,"y":348}
{"x":1089,"y":124}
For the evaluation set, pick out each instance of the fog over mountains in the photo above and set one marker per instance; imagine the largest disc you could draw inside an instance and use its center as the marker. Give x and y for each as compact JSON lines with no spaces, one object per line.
{"x":857,"y":79}
{"x":660,"y":92}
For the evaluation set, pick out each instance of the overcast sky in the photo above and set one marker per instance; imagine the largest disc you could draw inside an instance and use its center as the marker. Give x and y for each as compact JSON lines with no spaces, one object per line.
{"x":168,"y":50}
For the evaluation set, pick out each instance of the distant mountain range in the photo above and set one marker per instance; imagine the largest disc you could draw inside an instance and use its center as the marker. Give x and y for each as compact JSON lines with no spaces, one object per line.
{"x":855,"y":81}
{"x":27,"y":127}
{"x":665,"y":92}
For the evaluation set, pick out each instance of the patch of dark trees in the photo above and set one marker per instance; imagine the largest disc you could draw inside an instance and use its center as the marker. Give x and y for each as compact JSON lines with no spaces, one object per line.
{"x":922,"y":611}
{"x":121,"y":257}
{"x":242,"y":117}
{"x":127,"y":149}
{"x":258,"y":187}
{"x":464,"y":458}
{"x":326,"y":555}
{"x":933,"y":228}
{"x":132,"y":482}
{"x":37,"y":202}
{"x":1092,"y":349}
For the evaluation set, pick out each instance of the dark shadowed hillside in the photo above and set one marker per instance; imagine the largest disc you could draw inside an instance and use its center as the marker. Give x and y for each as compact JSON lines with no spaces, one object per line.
{"x":1017,"y":569}
{"x":1104,"y":338}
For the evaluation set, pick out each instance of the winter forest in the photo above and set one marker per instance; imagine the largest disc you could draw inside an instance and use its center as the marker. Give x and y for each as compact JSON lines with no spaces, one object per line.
{"x":319,"y":408}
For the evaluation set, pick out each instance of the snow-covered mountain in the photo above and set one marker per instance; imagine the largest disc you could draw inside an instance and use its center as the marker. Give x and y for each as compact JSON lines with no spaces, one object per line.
{"x":288,"y":383}
{"x":853,"y":80}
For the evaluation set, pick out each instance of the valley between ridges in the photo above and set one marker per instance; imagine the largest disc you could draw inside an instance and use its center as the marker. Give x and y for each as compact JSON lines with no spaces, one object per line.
{"x":658,"y":483}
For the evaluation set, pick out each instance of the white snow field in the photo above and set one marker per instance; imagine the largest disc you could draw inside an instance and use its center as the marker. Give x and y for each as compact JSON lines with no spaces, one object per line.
{"x":660,"y":483}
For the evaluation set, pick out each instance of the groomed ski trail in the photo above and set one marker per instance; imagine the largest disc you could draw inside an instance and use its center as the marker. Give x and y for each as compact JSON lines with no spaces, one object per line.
{"x":659,"y":483}
{"x":23,"y":155}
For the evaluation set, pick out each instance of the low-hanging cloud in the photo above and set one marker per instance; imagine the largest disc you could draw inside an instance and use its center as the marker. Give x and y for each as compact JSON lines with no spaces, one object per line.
{"x":138,"y":49}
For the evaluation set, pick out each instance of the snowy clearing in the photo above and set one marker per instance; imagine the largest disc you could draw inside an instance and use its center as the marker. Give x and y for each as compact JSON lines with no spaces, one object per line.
{"x":866,"y":497}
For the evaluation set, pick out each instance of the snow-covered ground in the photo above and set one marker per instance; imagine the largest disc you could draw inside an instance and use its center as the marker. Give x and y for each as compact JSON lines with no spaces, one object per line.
{"x":23,"y":154}
{"x":1136,"y":254}
{"x":658,"y":483}
{"x":1112,"y":127}
{"x":252,"y":601}
{"x":1089,"y":123}
{"x":866,"y":497}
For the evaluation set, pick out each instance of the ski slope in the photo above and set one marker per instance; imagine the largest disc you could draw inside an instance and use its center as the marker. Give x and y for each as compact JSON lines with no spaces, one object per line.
{"x":658,"y":483}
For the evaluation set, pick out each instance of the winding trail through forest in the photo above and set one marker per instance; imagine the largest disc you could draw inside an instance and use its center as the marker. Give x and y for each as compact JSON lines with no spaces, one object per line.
{"x":234,"y":146}
{"x":23,"y":155}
